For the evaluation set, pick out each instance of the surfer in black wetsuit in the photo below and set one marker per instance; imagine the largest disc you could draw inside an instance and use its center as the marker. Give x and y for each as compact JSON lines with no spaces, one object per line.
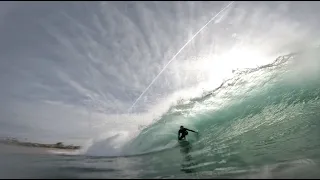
{"x":183,"y":132}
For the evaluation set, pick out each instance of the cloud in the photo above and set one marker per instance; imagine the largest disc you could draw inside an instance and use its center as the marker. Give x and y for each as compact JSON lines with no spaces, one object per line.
{"x":63,"y":63}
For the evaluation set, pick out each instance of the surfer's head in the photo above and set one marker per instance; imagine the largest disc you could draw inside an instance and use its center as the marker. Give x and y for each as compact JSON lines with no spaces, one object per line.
{"x":181,"y":127}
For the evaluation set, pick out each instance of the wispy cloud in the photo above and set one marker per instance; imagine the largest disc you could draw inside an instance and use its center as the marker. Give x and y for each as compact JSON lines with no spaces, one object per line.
{"x":67,"y":66}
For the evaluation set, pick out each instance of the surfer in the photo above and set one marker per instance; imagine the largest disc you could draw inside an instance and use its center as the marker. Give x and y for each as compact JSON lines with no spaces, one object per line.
{"x":183,"y":132}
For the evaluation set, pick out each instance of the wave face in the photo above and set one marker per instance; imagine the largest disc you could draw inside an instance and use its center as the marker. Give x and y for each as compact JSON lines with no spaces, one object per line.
{"x":266,"y":114}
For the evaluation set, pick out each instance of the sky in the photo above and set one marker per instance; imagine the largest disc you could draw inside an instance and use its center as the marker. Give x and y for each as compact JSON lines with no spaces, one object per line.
{"x":70,"y":71}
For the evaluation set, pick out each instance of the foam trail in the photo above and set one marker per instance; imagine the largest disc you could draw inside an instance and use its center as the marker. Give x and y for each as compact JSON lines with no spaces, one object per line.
{"x":178,"y":54}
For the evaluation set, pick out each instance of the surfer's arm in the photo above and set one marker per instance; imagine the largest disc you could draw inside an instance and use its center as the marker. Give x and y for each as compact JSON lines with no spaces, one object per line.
{"x":191,"y":130}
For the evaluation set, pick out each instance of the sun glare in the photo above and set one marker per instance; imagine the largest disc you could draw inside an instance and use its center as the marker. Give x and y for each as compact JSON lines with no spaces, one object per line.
{"x":215,"y":68}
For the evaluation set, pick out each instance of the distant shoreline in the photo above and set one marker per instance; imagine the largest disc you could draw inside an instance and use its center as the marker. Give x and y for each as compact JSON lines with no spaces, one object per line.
{"x":59,"y":145}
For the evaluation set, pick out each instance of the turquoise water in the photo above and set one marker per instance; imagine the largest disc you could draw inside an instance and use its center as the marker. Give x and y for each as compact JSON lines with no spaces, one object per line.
{"x":262,"y":123}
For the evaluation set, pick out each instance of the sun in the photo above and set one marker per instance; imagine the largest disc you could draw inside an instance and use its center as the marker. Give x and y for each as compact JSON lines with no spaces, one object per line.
{"x":217,"y":67}
{"x":240,"y":58}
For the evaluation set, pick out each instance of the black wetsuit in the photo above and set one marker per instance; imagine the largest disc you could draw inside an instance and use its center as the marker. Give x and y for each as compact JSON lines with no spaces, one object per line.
{"x":183,"y":132}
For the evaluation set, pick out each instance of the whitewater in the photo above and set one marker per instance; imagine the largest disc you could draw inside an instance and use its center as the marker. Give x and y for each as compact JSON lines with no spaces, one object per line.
{"x":244,"y":75}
